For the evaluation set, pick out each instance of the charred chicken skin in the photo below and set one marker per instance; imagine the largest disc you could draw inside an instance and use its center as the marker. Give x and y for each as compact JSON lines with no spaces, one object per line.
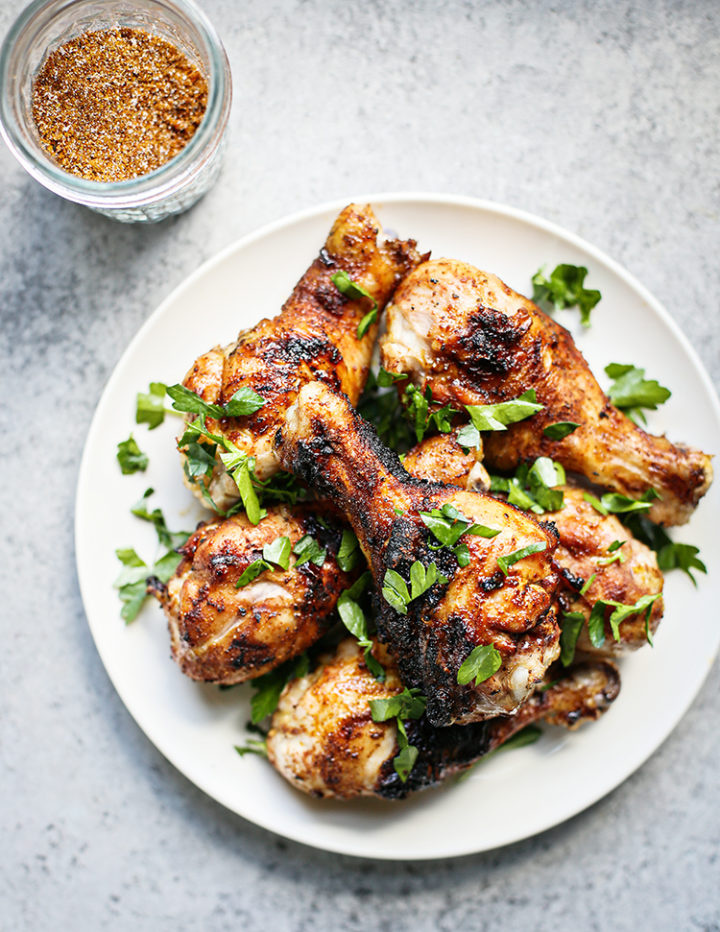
{"x":472,"y":340}
{"x":479,"y":604}
{"x":583,"y":553}
{"x":314,"y":337}
{"x":223,"y":634}
{"x":323,"y":739}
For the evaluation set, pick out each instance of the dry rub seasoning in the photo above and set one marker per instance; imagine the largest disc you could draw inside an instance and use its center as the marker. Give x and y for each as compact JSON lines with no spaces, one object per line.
{"x":117,"y":103}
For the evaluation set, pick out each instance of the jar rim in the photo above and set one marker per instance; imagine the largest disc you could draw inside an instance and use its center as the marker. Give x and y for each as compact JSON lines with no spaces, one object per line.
{"x":143,"y":189}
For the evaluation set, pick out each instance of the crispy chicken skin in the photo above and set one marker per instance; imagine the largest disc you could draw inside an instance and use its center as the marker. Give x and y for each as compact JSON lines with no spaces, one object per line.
{"x":442,"y":459}
{"x":324,"y":742}
{"x":328,"y":444}
{"x":313,"y":337}
{"x":222,"y":634}
{"x":582,"y":551}
{"x":472,"y":340}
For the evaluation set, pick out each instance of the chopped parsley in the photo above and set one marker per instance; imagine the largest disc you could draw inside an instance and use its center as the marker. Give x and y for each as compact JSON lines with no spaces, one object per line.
{"x":533,"y":488}
{"x":353,"y":617}
{"x":346,"y":286}
{"x":384,"y":411}
{"x":395,"y":589}
{"x":130,"y":457}
{"x":276,"y":553}
{"x":166,"y":537}
{"x":631,"y":391}
{"x":349,"y":553}
{"x":670,"y":555}
{"x":409,"y":704}
{"x":448,"y":525}
{"x":270,"y":685}
{"x":505,"y":562}
{"x":253,"y":746}
{"x":481,"y":663}
{"x":560,"y":430}
{"x":422,"y":418}
{"x":565,"y":287}
{"x":571,"y":625}
{"x":307,"y":549}
{"x":497,"y":417}
{"x":132,"y":581}
{"x":150,"y":405}
{"x":245,"y":401}
{"x":617,"y":504}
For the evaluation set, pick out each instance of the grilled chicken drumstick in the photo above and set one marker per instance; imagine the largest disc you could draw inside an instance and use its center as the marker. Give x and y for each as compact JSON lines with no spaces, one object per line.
{"x":503,"y":595}
{"x":472,"y":340}
{"x":323,"y":739}
{"x":222,"y":633}
{"x":315,"y":336}
{"x":583,"y":555}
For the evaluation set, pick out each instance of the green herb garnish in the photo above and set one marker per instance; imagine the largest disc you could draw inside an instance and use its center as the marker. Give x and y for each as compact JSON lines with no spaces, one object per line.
{"x":276,"y":553}
{"x":617,"y":504}
{"x":346,"y":286}
{"x":409,"y":704}
{"x":167,"y":538}
{"x":670,"y":555}
{"x":559,"y":430}
{"x":505,"y":562}
{"x":349,"y":553}
{"x":269,"y":686}
{"x":307,"y":549}
{"x":353,"y":617}
{"x":631,"y":391}
{"x":497,"y":417}
{"x":395,"y":589}
{"x":571,"y":625}
{"x":479,"y":665}
{"x":150,"y":405}
{"x":130,"y":457}
{"x":422,"y":418}
{"x":253,"y":746}
{"x":132,"y":581}
{"x":245,"y":401}
{"x":565,"y":288}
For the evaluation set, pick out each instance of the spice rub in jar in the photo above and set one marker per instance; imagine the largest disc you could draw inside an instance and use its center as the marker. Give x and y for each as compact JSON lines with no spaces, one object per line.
{"x":114,"y":104}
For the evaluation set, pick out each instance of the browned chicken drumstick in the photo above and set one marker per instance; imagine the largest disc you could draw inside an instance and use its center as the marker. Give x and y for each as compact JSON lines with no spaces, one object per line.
{"x":315,"y":336}
{"x":222,"y":632}
{"x":598,"y":558}
{"x":472,"y":340}
{"x":324,"y":741}
{"x":436,"y":608}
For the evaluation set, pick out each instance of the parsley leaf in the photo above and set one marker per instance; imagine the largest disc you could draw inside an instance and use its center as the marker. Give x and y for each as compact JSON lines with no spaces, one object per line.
{"x":384,"y":411}
{"x":571,"y":625}
{"x":385,"y":378}
{"x":172,"y":539}
{"x":308,"y":549}
{"x":670,"y":555}
{"x":395,"y":589}
{"x":276,"y":552}
{"x":497,"y":417}
{"x":421,"y":417}
{"x":480,"y":664}
{"x":130,"y":457}
{"x":409,"y":704}
{"x":269,"y":686}
{"x":559,"y":430}
{"x":505,"y":562}
{"x":132,"y":580}
{"x":617,"y":504}
{"x":353,"y":617}
{"x":253,"y":746}
{"x":631,"y":391}
{"x":448,"y":525}
{"x":349,"y":553}
{"x":526,"y":736}
{"x":345,"y":285}
{"x":245,"y":401}
{"x":150,"y":405}
{"x":565,"y":288}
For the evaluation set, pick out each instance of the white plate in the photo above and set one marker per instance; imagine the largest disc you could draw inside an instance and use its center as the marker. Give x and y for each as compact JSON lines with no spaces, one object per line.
{"x":196,"y":726}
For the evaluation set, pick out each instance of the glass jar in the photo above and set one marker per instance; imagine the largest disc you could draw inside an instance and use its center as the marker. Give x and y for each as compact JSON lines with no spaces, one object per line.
{"x":176,"y":185}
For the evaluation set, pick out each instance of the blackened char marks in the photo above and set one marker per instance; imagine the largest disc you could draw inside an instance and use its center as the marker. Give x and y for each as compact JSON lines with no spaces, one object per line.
{"x":489,"y":344}
{"x":441,"y":751}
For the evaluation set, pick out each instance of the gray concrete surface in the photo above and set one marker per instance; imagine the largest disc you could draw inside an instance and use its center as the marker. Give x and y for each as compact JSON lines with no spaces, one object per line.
{"x":602,"y":116}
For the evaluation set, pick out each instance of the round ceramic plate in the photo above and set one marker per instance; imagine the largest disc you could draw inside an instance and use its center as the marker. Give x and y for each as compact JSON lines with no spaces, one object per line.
{"x":196,"y":726}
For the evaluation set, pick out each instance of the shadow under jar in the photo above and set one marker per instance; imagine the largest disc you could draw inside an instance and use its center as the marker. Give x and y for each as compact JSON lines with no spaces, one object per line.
{"x":47,"y":25}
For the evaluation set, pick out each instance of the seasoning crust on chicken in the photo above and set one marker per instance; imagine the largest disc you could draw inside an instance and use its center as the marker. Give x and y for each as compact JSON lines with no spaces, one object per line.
{"x":314,"y":337}
{"x":223,"y":634}
{"x":473,"y":340}
{"x":323,"y":739}
{"x":328,"y":445}
{"x":583,"y":553}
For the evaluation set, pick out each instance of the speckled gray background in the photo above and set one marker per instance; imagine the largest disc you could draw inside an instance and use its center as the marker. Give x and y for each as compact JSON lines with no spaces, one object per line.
{"x":602,"y":116}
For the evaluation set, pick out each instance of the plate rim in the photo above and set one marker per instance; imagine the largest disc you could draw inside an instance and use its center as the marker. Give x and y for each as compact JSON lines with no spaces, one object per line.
{"x":380,"y":199}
